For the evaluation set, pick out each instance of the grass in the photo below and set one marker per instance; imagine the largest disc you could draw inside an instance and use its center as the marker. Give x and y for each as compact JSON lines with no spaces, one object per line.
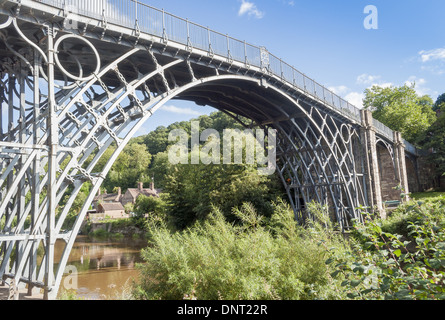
{"x":428,"y":196}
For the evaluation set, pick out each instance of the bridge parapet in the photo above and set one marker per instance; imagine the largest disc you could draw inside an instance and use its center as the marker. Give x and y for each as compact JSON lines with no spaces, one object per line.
{"x":383,"y":130}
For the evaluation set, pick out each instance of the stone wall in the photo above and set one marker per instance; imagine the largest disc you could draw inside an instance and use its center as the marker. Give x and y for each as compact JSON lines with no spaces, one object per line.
{"x":388,"y":179}
{"x":422,"y":176}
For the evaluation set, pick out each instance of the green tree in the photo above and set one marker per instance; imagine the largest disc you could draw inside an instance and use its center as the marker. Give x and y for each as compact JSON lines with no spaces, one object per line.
{"x":153,"y":206}
{"x":130,"y":167}
{"x":401,"y":109}
{"x":434,"y":140}
{"x":440,"y":101}
{"x":194,"y":189}
{"x":157,"y":140}
{"x":250,"y":260}
{"x":159,"y":169}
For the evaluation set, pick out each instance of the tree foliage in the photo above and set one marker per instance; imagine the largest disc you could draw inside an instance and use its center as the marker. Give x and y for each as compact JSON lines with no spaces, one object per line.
{"x":275,"y":258}
{"x":401,"y":109}
{"x":440,"y":102}
{"x":195,"y":189}
{"x":434,"y":139}
{"x":153,"y":206}
{"x":130,"y":168}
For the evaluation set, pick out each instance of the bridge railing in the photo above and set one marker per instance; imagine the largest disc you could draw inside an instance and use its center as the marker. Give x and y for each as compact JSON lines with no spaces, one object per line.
{"x":144,"y":18}
{"x":410,"y":148}
{"x":383,"y":130}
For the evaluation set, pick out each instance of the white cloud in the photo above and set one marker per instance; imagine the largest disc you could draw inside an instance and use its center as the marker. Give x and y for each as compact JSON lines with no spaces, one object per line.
{"x":431,"y":55}
{"x":288,"y":2}
{"x":356,"y":99}
{"x":364,"y":81}
{"x":437,"y":69}
{"x":250,"y":9}
{"x":420,"y":87}
{"x":339,"y":90}
{"x":184,"y":111}
{"x":433,"y":60}
{"x":367,"y":79}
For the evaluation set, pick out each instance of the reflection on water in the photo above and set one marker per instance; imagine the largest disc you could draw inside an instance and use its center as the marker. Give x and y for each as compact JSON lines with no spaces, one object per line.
{"x":103,"y":268}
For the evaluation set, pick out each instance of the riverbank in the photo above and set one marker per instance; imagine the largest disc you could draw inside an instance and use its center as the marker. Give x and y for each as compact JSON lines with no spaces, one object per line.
{"x":116,"y":229}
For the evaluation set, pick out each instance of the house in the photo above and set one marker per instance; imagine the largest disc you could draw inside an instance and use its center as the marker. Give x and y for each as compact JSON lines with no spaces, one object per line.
{"x":108,"y":205}
{"x":111,"y":210}
{"x":112,"y":205}
{"x":133,"y":193}
{"x":107,"y":197}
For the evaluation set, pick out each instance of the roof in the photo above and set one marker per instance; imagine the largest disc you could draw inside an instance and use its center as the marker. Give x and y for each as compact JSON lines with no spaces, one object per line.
{"x":146,"y":192}
{"x":112,"y":206}
{"x":108,"y":197}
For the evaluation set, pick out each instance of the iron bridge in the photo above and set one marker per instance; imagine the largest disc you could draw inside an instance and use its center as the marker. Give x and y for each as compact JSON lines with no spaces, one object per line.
{"x":77,"y":76}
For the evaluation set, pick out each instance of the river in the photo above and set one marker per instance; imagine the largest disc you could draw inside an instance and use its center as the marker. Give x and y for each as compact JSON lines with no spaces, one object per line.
{"x":101,"y":269}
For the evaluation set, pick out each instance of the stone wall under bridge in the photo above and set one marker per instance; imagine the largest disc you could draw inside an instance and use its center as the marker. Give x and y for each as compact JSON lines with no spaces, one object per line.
{"x":393,"y":170}
{"x":422,"y":175}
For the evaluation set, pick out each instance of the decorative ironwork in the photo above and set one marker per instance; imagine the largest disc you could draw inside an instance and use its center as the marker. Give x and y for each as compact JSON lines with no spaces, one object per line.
{"x":67,"y":94}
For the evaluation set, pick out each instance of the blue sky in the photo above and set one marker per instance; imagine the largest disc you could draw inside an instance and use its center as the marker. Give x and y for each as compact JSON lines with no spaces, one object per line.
{"x":327,"y":40}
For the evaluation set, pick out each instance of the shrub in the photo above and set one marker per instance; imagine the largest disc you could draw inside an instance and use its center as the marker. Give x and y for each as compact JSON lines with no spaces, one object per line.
{"x":274,"y":258}
{"x":250,"y":260}
{"x":413,"y":212}
{"x":384,"y":267}
{"x":99,"y":234}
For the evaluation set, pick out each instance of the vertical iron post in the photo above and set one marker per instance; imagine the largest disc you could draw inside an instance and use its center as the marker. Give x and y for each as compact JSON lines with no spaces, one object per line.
{"x":53,"y":143}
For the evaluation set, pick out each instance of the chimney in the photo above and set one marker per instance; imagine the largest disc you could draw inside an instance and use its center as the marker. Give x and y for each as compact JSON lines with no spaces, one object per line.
{"x":152,"y":185}
{"x":119,"y":191}
{"x":98,"y":192}
{"x":141,"y":186}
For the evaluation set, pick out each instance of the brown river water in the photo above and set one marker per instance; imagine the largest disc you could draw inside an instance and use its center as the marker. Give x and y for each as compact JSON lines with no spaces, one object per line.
{"x":101,"y":269}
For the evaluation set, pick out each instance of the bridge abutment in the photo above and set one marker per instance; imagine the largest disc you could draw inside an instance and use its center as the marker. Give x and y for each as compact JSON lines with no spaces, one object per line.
{"x":387,"y":177}
{"x":373,"y":181}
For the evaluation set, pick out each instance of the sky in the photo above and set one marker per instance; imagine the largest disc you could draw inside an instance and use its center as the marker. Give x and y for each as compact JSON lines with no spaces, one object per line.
{"x":329,"y":41}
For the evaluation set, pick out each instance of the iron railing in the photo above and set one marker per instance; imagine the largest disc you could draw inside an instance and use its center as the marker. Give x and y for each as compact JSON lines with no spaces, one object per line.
{"x":146,"y":19}
{"x":410,"y":148}
{"x":383,"y":130}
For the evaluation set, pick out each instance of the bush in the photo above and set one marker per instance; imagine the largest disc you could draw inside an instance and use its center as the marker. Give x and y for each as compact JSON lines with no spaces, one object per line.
{"x":150,"y":205}
{"x":99,"y":234}
{"x":274,"y":258}
{"x":385,"y":267}
{"x":414,"y":212}
{"x":254,"y":259}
